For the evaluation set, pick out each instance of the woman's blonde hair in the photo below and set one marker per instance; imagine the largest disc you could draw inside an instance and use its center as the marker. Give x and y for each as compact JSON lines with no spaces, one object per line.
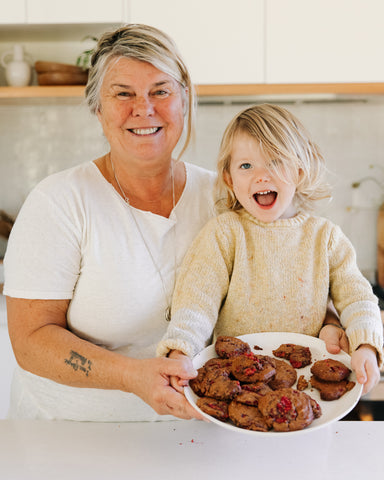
{"x":292,"y":155}
{"x":147,"y":44}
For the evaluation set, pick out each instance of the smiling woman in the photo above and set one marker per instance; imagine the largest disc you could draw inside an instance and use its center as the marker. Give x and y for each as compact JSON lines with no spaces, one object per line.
{"x":109,"y":236}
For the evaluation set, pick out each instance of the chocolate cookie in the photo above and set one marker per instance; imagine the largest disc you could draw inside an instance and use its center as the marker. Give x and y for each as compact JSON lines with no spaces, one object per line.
{"x":213,"y":407}
{"x":246,"y":416}
{"x":286,"y":409}
{"x":253,"y":368}
{"x":251,"y":392}
{"x":330,"y":370}
{"x":223,"y":388}
{"x":224,"y":364}
{"x":284,"y":377}
{"x":227,"y":347}
{"x":205,"y":378}
{"x":297,"y":355}
{"x":331,"y":390}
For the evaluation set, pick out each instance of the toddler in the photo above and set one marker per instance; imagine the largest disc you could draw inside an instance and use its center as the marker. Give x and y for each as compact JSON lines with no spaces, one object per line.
{"x":267,"y":264}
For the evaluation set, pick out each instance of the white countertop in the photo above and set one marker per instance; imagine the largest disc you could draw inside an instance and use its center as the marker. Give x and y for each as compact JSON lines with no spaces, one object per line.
{"x":189,"y":450}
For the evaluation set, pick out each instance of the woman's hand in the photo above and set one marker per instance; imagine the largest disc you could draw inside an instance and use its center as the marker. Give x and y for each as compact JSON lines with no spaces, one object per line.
{"x":364,"y":363}
{"x":335,"y":338}
{"x":152,"y":384}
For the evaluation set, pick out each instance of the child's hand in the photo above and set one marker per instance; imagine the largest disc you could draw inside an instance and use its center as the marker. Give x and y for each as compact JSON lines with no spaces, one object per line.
{"x":179,"y":383}
{"x":335,"y":338}
{"x":364,"y":363}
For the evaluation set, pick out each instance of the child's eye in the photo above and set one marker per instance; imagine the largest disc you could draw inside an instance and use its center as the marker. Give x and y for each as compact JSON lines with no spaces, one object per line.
{"x":245,"y":166}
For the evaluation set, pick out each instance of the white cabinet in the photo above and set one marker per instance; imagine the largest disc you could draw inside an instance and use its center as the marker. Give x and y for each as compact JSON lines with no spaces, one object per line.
{"x":75,"y":11}
{"x":12,"y":11}
{"x":221,"y":41}
{"x":63,"y":12}
{"x":324,"y":41}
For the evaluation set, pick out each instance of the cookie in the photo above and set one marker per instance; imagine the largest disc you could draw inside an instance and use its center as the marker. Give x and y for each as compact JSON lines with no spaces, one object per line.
{"x":246,"y":416}
{"x":215,"y":408}
{"x":330,"y":370}
{"x":205,"y":378}
{"x":228,"y":347}
{"x":284,"y":377}
{"x":286,"y":409}
{"x":253,"y":368}
{"x":224,"y":364}
{"x":251,"y":392}
{"x":331,"y":390}
{"x":297,"y":355}
{"x":223,"y":388}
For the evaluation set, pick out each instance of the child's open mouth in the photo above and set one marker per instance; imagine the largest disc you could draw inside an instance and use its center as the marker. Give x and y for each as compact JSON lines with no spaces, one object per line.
{"x":265,"y":199}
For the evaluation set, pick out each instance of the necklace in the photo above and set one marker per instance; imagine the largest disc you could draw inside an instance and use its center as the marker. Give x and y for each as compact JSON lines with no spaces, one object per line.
{"x":168,"y":298}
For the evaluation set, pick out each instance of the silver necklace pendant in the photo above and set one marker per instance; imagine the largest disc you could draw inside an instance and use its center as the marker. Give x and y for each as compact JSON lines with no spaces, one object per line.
{"x":167,"y":314}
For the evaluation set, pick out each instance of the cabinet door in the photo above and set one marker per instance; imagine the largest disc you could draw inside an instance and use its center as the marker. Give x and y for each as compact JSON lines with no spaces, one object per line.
{"x":12,"y":11}
{"x":220,"y":40}
{"x":311,"y":41}
{"x":75,"y":11}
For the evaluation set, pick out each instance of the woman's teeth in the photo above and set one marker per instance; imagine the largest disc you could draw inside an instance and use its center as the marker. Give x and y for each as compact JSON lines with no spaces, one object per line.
{"x":144,"y":131}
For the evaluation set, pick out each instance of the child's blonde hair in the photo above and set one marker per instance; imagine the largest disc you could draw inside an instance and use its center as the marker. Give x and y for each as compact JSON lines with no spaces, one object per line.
{"x":284,"y":141}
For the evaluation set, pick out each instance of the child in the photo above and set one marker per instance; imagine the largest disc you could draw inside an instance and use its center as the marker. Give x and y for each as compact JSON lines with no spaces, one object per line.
{"x":267,"y":264}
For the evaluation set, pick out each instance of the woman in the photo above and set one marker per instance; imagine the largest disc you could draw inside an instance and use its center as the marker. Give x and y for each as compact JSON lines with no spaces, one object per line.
{"x":92,"y":258}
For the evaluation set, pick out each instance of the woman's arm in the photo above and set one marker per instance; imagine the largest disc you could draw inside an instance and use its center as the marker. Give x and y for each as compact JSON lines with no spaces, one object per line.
{"x":44,"y":346}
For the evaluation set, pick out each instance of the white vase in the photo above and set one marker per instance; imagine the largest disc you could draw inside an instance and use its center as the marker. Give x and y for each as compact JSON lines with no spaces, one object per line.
{"x":17,"y":67}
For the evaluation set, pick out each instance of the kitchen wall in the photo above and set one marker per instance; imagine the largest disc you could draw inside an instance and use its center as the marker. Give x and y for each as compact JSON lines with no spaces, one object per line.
{"x":39,"y":137}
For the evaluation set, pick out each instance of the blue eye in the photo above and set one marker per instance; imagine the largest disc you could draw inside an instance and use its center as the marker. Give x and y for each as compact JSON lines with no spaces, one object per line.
{"x":245,"y":166}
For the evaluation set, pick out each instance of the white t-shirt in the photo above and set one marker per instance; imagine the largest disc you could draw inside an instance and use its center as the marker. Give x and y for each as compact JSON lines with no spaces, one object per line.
{"x":75,"y":238}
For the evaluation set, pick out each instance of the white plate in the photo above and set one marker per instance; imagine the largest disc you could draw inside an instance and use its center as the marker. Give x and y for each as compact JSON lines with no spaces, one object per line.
{"x":331,"y":411}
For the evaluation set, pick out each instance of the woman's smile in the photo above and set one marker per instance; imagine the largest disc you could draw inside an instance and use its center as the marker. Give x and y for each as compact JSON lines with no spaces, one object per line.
{"x":142,"y":110}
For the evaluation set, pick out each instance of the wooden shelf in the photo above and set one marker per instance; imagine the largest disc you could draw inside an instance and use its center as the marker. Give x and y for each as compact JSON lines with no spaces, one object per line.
{"x":213,"y":90}
{"x":41,"y":92}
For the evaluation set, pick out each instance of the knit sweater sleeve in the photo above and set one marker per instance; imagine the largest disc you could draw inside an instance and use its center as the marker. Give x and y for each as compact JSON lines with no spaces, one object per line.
{"x":200,"y":290}
{"x":352,"y":295}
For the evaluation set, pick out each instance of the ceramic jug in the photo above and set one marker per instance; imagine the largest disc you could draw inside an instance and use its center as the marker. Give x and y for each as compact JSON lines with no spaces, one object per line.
{"x":17,"y":67}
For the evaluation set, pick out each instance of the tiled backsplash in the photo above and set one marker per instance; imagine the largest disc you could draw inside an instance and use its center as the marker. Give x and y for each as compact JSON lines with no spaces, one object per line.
{"x":41,"y":137}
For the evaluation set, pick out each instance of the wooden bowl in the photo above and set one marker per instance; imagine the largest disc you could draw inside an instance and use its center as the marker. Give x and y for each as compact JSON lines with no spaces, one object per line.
{"x":45,"y":67}
{"x":62,"y":78}
{"x":53,"y":73}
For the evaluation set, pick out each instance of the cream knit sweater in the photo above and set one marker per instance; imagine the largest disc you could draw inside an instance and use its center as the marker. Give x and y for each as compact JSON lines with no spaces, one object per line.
{"x":244,"y":276}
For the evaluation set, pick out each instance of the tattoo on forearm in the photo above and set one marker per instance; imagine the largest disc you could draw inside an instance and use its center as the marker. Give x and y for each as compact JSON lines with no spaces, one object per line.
{"x":78,"y":362}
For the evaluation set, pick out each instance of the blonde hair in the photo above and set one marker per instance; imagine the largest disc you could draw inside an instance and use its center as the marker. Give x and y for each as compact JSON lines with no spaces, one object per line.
{"x":293,"y":156}
{"x":147,"y":44}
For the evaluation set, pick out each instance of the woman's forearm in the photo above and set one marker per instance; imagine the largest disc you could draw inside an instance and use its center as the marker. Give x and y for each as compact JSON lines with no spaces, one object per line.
{"x":44,"y":346}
